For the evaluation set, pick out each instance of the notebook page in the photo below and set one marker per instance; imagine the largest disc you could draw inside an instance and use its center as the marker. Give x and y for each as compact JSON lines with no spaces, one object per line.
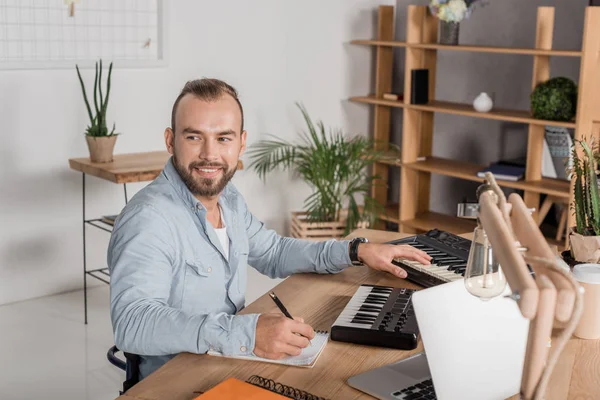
{"x":307,"y":357}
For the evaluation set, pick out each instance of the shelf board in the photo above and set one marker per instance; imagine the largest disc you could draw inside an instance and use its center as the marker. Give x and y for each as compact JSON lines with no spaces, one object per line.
{"x":430,"y":220}
{"x":468,"y":171}
{"x":472,"y":48}
{"x":391,"y":157}
{"x":392,"y":214}
{"x":386,"y":43}
{"x":467,"y":110}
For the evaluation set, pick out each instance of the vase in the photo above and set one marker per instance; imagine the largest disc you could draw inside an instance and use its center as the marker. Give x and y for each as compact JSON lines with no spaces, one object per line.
{"x":101,"y":148}
{"x":483,"y":102}
{"x":449,"y":33}
{"x":585,"y":249}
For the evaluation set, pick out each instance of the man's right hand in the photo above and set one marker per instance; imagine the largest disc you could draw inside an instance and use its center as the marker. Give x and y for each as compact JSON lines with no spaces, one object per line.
{"x":276,"y":336}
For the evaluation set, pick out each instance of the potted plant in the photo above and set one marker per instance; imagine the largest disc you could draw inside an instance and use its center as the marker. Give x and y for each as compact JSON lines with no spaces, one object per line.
{"x":335,"y":167}
{"x":100,"y":141}
{"x":584,"y":238}
{"x":450,"y":13}
{"x":554,"y":99}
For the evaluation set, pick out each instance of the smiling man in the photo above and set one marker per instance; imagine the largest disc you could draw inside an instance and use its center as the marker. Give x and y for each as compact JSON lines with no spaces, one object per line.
{"x":179,"y":250}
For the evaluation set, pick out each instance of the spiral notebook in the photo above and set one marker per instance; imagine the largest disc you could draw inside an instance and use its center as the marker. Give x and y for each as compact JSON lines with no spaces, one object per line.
{"x":307,"y":359}
{"x":255,"y":388}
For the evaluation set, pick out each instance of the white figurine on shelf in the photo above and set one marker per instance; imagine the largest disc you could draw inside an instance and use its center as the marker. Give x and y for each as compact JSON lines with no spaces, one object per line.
{"x":483,"y":102}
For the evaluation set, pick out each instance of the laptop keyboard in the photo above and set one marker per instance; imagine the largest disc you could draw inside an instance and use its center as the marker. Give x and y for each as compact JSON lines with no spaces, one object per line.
{"x":422,"y":391}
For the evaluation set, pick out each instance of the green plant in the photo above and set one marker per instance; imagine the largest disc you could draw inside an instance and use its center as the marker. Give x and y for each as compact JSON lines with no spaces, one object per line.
{"x":586,"y":202}
{"x":332,"y":165}
{"x":98,"y":119}
{"x":554,"y":100}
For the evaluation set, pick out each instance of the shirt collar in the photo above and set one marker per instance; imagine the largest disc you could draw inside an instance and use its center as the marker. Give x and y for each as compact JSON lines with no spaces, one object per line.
{"x":182,"y":190}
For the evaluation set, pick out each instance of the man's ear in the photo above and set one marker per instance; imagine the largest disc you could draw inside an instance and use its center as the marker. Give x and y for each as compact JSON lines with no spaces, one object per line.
{"x":169,"y":139}
{"x":243,"y":140}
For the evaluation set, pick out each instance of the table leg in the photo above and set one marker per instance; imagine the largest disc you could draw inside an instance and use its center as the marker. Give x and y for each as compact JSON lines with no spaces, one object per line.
{"x":84,"y":255}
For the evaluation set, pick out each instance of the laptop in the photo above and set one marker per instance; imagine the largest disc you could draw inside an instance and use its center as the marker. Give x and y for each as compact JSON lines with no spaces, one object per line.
{"x":474,"y":349}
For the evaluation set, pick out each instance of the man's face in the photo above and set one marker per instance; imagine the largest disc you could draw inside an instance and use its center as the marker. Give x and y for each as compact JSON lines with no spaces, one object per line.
{"x":207,"y":144}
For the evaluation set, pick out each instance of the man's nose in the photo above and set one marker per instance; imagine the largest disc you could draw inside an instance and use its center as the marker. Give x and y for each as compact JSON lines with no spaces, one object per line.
{"x":209,"y":150}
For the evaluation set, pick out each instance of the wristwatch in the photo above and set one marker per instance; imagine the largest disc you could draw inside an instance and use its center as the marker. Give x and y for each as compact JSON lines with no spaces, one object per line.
{"x":353,"y":249}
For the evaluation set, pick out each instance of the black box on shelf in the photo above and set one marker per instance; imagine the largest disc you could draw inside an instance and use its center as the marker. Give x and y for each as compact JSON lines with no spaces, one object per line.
{"x":419,"y":90}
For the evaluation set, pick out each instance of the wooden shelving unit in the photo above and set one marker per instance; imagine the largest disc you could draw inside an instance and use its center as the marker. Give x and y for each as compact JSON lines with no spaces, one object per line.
{"x":416,"y":160}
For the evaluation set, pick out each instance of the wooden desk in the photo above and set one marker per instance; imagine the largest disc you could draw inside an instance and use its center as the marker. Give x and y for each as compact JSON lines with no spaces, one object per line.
{"x":319,"y":299}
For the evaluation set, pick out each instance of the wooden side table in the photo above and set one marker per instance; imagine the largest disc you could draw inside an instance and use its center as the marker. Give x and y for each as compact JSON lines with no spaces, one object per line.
{"x":124,"y":169}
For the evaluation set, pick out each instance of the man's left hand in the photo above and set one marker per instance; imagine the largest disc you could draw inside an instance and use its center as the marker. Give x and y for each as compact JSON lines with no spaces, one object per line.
{"x":380,"y":256}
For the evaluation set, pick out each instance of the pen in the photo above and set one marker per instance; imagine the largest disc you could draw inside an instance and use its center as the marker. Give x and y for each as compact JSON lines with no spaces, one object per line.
{"x":283,"y":309}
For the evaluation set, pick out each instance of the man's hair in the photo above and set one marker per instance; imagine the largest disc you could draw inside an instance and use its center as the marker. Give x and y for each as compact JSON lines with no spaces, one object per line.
{"x":208,"y":90}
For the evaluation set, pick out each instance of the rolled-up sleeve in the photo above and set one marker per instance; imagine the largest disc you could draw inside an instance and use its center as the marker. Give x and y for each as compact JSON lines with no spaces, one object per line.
{"x":280,"y":257}
{"x":141,"y":256}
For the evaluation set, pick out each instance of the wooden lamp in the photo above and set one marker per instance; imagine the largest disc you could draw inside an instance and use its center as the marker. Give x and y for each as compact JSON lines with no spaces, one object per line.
{"x":552,"y":299}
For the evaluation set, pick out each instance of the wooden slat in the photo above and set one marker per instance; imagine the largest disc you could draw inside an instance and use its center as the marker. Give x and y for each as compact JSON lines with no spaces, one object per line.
{"x":541,"y":73}
{"x":382,"y":114}
{"x":467,"y":110}
{"x":477,"y":49}
{"x":430,"y":220}
{"x":126,"y":168}
{"x":430,"y":34}
{"x":412,"y":119}
{"x":468,"y":171}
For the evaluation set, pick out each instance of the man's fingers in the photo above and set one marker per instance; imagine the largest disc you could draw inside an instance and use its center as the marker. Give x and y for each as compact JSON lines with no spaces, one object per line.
{"x":303,"y":329}
{"x":299,"y":319}
{"x":298,"y":341}
{"x":397,"y":271}
{"x":415,"y":254}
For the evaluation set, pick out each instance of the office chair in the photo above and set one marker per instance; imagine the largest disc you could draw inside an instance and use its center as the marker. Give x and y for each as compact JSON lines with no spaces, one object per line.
{"x":131,"y":367}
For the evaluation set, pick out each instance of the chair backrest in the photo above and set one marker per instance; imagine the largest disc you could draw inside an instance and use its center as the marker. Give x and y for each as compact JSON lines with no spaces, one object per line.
{"x":131,"y":367}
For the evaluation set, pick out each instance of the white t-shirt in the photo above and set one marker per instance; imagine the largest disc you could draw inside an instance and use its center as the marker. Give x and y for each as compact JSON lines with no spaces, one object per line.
{"x":222,"y":235}
{"x":224,"y":239}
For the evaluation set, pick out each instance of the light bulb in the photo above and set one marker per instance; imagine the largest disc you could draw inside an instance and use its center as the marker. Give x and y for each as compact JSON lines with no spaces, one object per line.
{"x":483,"y":276}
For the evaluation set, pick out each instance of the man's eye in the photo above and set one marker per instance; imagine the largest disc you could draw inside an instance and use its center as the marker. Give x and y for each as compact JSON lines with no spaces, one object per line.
{"x":225,"y":139}
{"x":192,"y":138}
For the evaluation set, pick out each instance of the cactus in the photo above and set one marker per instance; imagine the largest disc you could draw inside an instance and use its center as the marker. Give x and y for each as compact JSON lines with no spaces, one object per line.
{"x":586,"y":195}
{"x":97,"y":125}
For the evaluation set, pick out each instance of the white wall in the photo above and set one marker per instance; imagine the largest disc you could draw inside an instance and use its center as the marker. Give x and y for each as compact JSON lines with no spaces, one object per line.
{"x":274,"y":52}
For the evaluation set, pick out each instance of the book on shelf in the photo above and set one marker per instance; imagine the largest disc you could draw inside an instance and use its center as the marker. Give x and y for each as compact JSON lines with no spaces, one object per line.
{"x":504,"y":172}
{"x":109,"y":219}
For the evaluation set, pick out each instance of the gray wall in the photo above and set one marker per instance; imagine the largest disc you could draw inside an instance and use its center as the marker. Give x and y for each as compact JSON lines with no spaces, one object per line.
{"x":461,"y":76}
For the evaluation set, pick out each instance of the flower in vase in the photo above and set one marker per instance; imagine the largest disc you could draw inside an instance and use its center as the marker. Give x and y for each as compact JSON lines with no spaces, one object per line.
{"x":451,"y":10}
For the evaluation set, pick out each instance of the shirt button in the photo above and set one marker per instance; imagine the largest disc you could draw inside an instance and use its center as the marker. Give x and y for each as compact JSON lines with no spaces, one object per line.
{"x":243,"y":349}
{"x":235,"y":253}
{"x":209,"y":269}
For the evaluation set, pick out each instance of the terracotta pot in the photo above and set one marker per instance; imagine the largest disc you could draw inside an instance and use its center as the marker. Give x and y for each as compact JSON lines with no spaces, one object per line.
{"x":585,"y":248}
{"x":101,"y":148}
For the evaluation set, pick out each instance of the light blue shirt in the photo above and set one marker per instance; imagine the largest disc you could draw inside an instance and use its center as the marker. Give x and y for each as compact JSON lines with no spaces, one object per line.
{"x":169,"y":290}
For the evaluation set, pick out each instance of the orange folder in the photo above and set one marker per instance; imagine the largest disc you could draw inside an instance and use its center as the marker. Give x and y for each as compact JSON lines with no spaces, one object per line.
{"x":234,"y":389}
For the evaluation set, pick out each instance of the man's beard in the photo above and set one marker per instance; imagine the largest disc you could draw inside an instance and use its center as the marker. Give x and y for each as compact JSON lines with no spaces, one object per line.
{"x":204,"y":187}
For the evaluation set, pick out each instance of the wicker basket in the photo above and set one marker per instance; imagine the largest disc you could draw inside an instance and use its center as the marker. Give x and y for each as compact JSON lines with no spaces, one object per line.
{"x":318,"y":231}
